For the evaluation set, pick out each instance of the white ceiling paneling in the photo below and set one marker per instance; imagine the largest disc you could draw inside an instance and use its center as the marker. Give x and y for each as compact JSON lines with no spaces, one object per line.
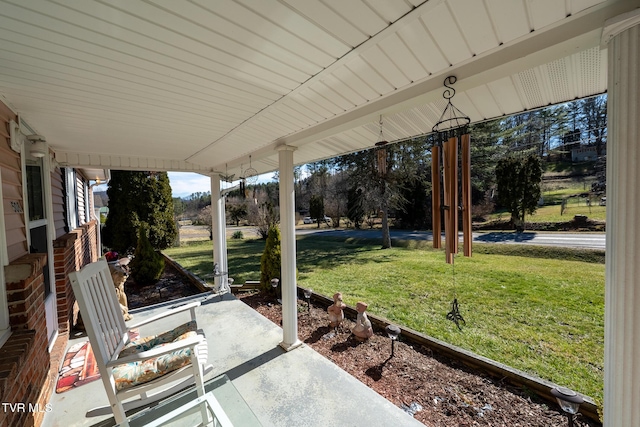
{"x":359,"y":14}
{"x":297,"y":26}
{"x":423,"y":47}
{"x":392,"y":10}
{"x":289,"y":110}
{"x":506,"y":95}
{"x":557,"y":80}
{"x":356,"y":83}
{"x":298,"y":103}
{"x":210,"y":83}
{"x":444,"y":30}
{"x":369,"y":75}
{"x":94,"y":35}
{"x":269,"y":37}
{"x":86,"y":58}
{"x":388,"y":70}
{"x":482,"y":98}
{"x":398,"y":53}
{"x":332,"y":95}
{"x":345,"y":91}
{"x":475,"y":24}
{"x":320,"y":103}
{"x":527,"y":84}
{"x":580,"y":5}
{"x":510,"y":19}
{"x":331,"y":21}
{"x":545,"y":12}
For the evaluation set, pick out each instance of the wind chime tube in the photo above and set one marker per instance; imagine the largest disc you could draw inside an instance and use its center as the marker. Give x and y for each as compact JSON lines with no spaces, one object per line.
{"x":466,"y":193}
{"x":453,"y":193}
{"x":446,"y":148}
{"x":435,"y":197}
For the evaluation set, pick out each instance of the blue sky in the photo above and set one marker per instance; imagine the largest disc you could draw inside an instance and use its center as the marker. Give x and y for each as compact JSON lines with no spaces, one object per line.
{"x":183,"y":184}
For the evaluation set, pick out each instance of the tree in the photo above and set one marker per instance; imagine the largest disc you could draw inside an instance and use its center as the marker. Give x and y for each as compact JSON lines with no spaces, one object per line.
{"x":147,"y":264}
{"x":519,"y":177}
{"x":136,"y":198}
{"x":237,"y":212}
{"x":355,"y":210}
{"x":270,"y":261}
{"x":595,"y":121}
{"x":316,"y":209}
{"x":204,"y":217}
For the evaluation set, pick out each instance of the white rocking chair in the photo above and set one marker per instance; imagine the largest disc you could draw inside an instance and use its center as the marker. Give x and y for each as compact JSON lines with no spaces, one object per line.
{"x":133,"y":368}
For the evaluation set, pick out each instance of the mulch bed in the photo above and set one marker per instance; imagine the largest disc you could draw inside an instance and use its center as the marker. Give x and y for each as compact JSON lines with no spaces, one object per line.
{"x":172,"y":285}
{"x":447,"y":392}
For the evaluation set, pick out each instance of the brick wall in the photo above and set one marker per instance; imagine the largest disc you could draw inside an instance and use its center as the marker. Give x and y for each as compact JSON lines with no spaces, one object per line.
{"x":71,"y":252}
{"x":24,"y":359}
{"x":28,"y":371}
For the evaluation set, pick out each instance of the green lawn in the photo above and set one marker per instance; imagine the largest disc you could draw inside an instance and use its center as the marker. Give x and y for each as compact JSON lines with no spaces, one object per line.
{"x":544,"y":316}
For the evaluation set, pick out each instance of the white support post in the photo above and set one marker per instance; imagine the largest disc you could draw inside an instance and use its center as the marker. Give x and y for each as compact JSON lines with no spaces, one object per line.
{"x":622,"y":282}
{"x":218,"y":231}
{"x":288,"y":250}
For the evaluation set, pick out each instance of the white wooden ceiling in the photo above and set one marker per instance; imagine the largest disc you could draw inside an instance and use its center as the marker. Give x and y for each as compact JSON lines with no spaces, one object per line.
{"x":199,"y":85}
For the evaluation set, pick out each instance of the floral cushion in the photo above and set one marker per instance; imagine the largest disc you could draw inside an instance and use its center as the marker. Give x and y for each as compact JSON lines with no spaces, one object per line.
{"x":135,"y":373}
{"x":147,"y":343}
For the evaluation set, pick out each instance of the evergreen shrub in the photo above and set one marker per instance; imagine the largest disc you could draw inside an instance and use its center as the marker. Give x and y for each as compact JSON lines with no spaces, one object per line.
{"x":148,"y":264}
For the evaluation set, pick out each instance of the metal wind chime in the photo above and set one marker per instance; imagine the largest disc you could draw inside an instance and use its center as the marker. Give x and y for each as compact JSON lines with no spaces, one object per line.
{"x":451,"y":185}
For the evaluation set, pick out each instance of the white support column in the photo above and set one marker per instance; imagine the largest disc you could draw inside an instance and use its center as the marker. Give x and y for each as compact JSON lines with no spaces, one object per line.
{"x":288,"y":249}
{"x":218,"y":231}
{"x":622,"y":285}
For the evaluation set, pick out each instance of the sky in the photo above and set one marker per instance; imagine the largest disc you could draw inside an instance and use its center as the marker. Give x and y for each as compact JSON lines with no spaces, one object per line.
{"x":184,"y":184}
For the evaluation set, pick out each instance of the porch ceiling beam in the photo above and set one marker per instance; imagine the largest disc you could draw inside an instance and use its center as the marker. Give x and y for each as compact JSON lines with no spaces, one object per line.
{"x":102,"y":161}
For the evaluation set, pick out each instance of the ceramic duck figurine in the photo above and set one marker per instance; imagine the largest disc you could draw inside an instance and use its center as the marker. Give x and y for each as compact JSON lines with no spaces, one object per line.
{"x":362,"y":330}
{"x":336,"y":315}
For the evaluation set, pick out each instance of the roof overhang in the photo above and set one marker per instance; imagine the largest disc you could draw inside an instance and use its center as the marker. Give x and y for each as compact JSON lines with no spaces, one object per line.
{"x":186,"y":86}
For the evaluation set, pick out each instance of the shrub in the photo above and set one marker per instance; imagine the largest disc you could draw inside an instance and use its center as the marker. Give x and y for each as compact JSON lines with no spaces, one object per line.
{"x":148,"y":264}
{"x":270,"y":260}
{"x":237,"y":235}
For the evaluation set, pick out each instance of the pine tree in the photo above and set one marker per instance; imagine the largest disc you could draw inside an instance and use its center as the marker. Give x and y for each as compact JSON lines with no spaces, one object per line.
{"x":519,"y":178}
{"x":270,"y":263}
{"x":136,"y":198}
{"x":147,"y":264}
{"x":316,"y":209}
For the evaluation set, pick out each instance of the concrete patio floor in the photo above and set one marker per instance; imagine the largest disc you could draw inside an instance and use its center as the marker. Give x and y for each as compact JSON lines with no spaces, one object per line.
{"x":297,"y":388}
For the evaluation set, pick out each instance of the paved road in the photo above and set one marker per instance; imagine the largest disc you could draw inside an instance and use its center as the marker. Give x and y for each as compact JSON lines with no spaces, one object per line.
{"x":569,"y":240}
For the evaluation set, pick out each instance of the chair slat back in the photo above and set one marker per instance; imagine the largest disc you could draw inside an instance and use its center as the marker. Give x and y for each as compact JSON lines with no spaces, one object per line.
{"x":94,"y":290}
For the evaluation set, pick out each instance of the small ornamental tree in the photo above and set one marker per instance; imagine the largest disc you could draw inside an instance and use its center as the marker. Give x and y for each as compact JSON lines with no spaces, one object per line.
{"x":518,"y":178}
{"x":270,"y":261}
{"x":147,"y":265}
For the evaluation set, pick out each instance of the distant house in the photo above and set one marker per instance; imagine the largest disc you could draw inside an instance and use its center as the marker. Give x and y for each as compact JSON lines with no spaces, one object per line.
{"x":48,"y":228}
{"x":584,"y":154}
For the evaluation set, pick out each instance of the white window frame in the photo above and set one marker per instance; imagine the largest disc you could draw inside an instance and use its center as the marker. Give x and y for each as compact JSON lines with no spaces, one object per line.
{"x":5,"y":327}
{"x":70,"y":196}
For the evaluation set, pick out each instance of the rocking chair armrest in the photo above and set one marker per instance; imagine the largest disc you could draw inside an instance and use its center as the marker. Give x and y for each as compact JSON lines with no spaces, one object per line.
{"x":190,"y":342}
{"x":166,"y":313}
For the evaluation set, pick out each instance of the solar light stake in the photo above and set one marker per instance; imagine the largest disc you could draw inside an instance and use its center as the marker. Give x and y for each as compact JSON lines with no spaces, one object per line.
{"x":274,"y":283}
{"x":393,"y":332}
{"x":568,"y":400}
{"x":307,"y":295}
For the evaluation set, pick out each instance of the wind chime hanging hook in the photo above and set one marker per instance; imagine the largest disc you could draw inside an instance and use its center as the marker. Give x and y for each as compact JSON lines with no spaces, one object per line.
{"x":449,"y":92}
